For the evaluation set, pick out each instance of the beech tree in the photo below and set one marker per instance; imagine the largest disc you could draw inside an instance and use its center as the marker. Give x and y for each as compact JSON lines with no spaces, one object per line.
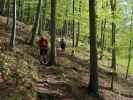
{"x":73,"y":39}
{"x":113,"y":9}
{"x":2,"y":4}
{"x":13,"y":35}
{"x":53,"y":33}
{"x":93,"y":85}
{"x":36,"y":23}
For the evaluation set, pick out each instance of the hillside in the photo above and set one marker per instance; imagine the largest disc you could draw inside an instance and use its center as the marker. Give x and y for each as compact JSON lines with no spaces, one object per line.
{"x":68,"y":80}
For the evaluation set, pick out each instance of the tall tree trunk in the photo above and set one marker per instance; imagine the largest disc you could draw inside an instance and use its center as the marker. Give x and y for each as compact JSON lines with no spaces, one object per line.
{"x":73,"y":37}
{"x":40,"y":25}
{"x":78,"y":34}
{"x":130,"y":47}
{"x":131,"y":26}
{"x":113,"y":8}
{"x":65,"y":25}
{"x":2,"y":3}
{"x":36,"y":23}
{"x":8,"y":12}
{"x":129,"y":58}
{"x":21,"y":9}
{"x":28,"y":13}
{"x":93,"y":85}
{"x":12,"y":41}
{"x":64,"y":30}
{"x":102,"y":41}
{"x":44,"y":15}
{"x":113,"y":46}
{"x":52,"y":60}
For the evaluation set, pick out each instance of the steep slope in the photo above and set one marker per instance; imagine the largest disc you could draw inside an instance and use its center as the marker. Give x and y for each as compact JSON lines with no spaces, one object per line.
{"x":65,"y":81}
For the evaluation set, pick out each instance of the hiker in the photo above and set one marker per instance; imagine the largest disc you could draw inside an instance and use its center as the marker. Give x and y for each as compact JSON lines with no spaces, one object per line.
{"x":63,"y":44}
{"x":43,"y":46}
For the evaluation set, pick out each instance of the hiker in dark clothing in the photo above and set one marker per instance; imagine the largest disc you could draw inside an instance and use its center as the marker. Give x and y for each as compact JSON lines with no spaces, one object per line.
{"x":43,"y":46}
{"x":63,"y":44}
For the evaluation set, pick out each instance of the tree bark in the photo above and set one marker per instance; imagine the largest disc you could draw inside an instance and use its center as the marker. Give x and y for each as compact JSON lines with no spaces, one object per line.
{"x":131,"y":26}
{"x":52,"y":60}
{"x":93,"y":85}
{"x":129,"y":58}
{"x":8,"y":12}
{"x":2,"y":3}
{"x":36,"y":23}
{"x":40,"y":25}
{"x":12,"y":41}
{"x":21,"y":9}
{"x":73,"y":37}
{"x":113,"y":3}
{"x":102,"y":40}
{"x":44,"y":15}
{"x":130,"y":47}
{"x":64,"y":30}
{"x":78,"y":34}
{"x":28,"y":14}
{"x":113,"y":9}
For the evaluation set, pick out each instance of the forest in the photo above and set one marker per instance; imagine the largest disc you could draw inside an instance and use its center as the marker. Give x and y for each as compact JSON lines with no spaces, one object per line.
{"x":66,"y":49}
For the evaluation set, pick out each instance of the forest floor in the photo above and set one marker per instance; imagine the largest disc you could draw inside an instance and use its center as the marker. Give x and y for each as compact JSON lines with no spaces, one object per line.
{"x":68,"y":80}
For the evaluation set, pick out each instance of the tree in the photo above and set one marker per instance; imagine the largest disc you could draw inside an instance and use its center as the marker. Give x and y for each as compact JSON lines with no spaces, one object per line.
{"x":129,"y":58}
{"x":8,"y":11}
{"x":113,"y":9}
{"x":102,"y":40}
{"x":73,"y":39}
{"x":36,"y":23}
{"x":53,"y":33}
{"x":93,"y":85}
{"x":21,"y":10}
{"x":130,"y":47}
{"x":13,"y":35}
{"x":2,"y":4}
{"x":44,"y":14}
{"x":77,"y":37}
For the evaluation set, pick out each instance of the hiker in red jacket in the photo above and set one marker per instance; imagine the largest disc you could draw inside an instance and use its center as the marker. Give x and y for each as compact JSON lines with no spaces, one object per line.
{"x":43,"y":46}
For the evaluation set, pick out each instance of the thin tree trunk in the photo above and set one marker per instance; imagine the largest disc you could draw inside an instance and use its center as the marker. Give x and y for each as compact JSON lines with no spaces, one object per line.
{"x":65,"y":26}
{"x":102,"y":41}
{"x":113,"y":46}
{"x":77,"y":37}
{"x":113,"y":8}
{"x":28,"y":14}
{"x":18,"y":9}
{"x":64,"y":30}
{"x":2,"y":3}
{"x":93,"y":85}
{"x":77,"y":40}
{"x":8,"y":12}
{"x":131,"y":26}
{"x":21,"y":7}
{"x":52,"y":60}
{"x":36,"y":23}
{"x":130,"y":47}
{"x":40,"y":25}
{"x":12,"y":41}
{"x":129,"y":58}
{"x":44,"y":15}
{"x":73,"y":38}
